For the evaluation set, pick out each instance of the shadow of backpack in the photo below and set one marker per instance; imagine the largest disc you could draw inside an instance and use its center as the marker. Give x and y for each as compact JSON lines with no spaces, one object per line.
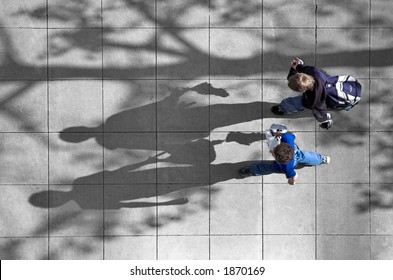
{"x":344,"y":92}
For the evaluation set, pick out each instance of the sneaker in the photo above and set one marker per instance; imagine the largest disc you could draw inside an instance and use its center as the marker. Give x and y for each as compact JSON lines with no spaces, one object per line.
{"x":277,"y":110}
{"x":326,"y":124}
{"x":245,"y":172}
{"x":326,"y":160}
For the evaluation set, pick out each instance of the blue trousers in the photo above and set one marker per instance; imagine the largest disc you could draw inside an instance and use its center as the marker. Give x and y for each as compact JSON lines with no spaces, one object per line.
{"x":301,"y":157}
{"x":292,"y":105}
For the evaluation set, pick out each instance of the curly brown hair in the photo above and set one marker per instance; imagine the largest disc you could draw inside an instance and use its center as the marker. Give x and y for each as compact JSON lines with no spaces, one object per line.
{"x":301,"y":82}
{"x":284,"y":153}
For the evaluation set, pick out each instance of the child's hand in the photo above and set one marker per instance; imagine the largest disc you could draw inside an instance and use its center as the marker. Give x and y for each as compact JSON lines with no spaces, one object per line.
{"x":296,"y":62}
{"x":292,"y":181}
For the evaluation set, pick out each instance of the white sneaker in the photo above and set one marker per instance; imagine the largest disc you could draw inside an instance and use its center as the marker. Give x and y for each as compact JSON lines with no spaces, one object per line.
{"x":326,"y":160}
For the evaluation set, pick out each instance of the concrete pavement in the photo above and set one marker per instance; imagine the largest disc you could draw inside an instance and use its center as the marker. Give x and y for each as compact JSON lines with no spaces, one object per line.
{"x":113,"y":146}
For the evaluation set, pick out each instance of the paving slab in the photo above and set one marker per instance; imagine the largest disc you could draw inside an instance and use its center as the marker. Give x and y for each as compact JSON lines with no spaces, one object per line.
{"x":224,"y":13}
{"x":71,"y":159}
{"x":236,"y":209}
{"x":289,"y":247}
{"x":73,"y":206}
{"x":349,"y":155}
{"x":225,"y":165}
{"x":182,"y":109}
{"x":16,"y":13}
{"x":380,"y":157}
{"x":123,"y":14}
{"x":27,"y":58}
{"x":338,"y":209}
{"x":338,"y":247}
{"x":187,"y":247}
{"x":130,"y":248}
{"x":24,"y":158}
{"x":346,"y":14}
{"x":183,"y":209}
{"x":380,"y":13}
{"x":293,"y":206}
{"x":188,"y":13}
{"x":181,"y":53}
{"x":380,"y":53}
{"x":238,"y":108}
{"x":340,"y":58}
{"x":24,"y":248}
{"x":186,"y":158}
{"x":381,"y":209}
{"x":283,"y":14}
{"x":32,"y":97}
{"x":129,"y":106}
{"x":130,"y":209}
{"x":235,"y":53}
{"x":75,"y":106}
{"x":381,"y":247}
{"x":73,"y":14}
{"x":381,"y":105}
{"x":70,"y":51}
{"x":129,"y":158}
{"x":277,"y":55}
{"x":135,"y":60}
{"x":19,"y":217}
{"x":75,"y":248}
{"x":239,"y":247}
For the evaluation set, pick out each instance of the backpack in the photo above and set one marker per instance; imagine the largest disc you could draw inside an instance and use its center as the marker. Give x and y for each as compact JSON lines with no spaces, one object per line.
{"x":344,"y":92}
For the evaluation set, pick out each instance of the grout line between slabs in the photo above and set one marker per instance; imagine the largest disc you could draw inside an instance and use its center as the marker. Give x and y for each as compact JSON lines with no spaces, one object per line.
{"x":48,"y":119}
{"x":316,"y":144}
{"x":203,"y":235}
{"x":209,"y":117}
{"x":369,"y":124}
{"x":102,"y":130}
{"x":156,"y":132}
{"x":262,"y":129}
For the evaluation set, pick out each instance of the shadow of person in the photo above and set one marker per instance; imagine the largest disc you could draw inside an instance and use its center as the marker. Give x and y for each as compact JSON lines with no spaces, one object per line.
{"x":89,"y":195}
{"x":142,"y":119}
{"x":175,"y":115}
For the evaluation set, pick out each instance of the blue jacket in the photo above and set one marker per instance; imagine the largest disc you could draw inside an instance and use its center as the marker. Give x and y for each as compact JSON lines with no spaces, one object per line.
{"x":289,"y":169}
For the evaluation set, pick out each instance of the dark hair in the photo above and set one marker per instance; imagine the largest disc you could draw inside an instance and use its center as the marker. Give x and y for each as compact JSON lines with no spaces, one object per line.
{"x":284,"y":153}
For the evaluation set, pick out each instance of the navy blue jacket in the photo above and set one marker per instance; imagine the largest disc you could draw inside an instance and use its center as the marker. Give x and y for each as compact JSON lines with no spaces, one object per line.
{"x":314,"y":99}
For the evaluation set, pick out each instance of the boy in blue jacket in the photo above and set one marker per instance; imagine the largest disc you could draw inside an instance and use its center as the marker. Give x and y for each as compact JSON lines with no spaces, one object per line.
{"x":287,"y":157}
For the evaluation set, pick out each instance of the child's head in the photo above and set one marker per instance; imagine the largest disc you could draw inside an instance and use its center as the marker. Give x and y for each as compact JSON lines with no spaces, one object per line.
{"x":283,"y":153}
{"x":301,"y":82}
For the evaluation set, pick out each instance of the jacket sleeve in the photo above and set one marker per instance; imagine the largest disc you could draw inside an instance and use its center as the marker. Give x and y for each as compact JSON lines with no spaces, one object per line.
{"x":310,"y":70}
{"x":320,"y":112}
{"x":292,"y":72}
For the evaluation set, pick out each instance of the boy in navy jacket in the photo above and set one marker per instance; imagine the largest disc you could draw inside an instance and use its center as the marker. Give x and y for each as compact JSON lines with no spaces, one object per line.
{"x":311,"y":82}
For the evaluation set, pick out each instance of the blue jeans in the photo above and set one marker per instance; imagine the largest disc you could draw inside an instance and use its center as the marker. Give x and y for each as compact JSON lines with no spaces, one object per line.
{"x":292,"y":105}
{"x":301,"y":157}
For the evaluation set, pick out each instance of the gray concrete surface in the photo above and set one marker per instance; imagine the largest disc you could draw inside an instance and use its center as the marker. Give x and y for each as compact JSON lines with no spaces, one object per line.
{"x":111,"y":146}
